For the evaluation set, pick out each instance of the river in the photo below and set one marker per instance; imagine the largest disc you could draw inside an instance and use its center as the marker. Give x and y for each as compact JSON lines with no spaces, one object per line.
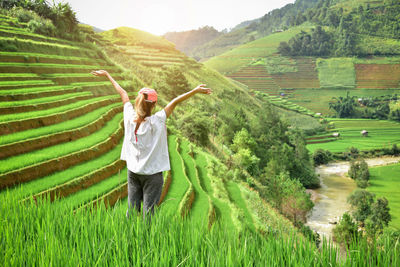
{"x":331,"y":198}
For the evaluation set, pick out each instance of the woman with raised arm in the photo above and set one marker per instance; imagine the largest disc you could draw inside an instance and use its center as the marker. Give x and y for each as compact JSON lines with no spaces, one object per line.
{"x":145,"y":147}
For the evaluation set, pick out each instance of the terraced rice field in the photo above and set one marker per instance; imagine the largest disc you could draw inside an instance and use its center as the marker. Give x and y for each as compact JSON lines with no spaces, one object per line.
{"x":381,"y":134}
{"x":380,"y":76}
{"x":60,"y":127}
{"x":61,"y":134}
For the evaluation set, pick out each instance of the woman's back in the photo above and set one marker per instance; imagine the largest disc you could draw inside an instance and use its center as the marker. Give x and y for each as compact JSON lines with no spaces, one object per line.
{"x":145,"y":149}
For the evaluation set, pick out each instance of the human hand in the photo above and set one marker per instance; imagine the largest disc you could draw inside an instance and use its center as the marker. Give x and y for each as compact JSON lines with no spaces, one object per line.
{"x":99,"y":73}
{"x":202,"y":89}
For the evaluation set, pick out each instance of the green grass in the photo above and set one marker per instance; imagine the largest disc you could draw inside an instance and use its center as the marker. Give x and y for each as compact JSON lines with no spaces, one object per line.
{"x":52,"y":111}
{"x":336,"y":73}
{"x":59,"y":127}
{"x":94,"y":191}
{"x":385,"y":182}
{"x":45,"y":233}
{"x":381,"y":134}
{"x":37,"y":156}
{"x":199,"y":209}
{"x":57,"y":178}
{"x":179,"y":185}
{"x":35,"y":90}
{"x":25,"y":83}
{"x":42,"y":100}
{"x":223,"y":211}
{"x":43,"y":55}
{"x":236,"y":196}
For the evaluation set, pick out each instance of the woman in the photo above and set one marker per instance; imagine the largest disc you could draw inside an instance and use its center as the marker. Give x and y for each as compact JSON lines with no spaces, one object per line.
{"x":145,"y":147}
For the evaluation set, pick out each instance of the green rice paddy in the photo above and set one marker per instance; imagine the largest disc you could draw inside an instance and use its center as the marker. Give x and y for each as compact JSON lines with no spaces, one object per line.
{"x":381,"y":134}
{"x":385,"y":182}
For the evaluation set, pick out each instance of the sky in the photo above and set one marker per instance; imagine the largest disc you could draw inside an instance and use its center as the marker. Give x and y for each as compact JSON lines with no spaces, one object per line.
{"x":161,"y":16}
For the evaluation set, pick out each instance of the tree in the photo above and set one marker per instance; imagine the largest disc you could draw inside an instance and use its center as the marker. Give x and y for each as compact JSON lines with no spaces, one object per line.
{"x":361,"y":201}
{"x":359,"y":171}
{"x":177,"y":82}
{"x":296,"y":202}
{"x":379,"y":218}
{"x":346,"y":231}
{"x":344,"y":106}
{"x":195,"y":126}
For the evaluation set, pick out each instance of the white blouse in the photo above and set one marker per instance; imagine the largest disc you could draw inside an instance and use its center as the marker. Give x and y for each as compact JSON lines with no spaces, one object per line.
{"x":145,"y":152}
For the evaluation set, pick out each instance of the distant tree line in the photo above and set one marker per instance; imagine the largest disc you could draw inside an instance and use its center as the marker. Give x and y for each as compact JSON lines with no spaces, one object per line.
{"x":344,"y":29}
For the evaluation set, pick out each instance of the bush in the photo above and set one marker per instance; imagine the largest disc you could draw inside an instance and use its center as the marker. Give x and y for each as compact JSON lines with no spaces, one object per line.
{"x":359,"y":171}
{"x":42,"y":26}
{"x":23,"y":15}
{"x":346,"y":231}
{"x":321,"y":156}
{"x":6,"y":46}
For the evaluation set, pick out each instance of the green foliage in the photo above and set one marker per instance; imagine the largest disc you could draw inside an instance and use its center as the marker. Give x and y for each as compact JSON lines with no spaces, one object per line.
{"x":318,"y":43}
{"x":321,"y":156}
{"x":195,"y":126}
{"x":380,"y":217}
{"x":359,"y":171}
{"x":288,"y":196}
{"x":176,"y":80}
{"x":42,"y":26}
{"x":346,"y":231}
{"x":343,"y":106}
{"x":361,"y":201}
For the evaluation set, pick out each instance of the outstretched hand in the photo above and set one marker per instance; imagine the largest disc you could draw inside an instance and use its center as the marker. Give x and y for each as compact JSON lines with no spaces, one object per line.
{"x":99,"y":72}
{"x":202,"y":89}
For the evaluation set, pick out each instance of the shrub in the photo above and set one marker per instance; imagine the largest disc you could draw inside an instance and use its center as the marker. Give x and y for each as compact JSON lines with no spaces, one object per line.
{"x":7,"y":46}
{"x":42,"y":26}
{"x":23,"y":15}
{"x":346,"y":231}
{"x":321,"y":156}
{"x":359,"y":171}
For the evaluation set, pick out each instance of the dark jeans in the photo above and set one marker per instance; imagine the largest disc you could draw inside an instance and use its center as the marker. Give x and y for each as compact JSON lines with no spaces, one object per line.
{"x":146,"y":188}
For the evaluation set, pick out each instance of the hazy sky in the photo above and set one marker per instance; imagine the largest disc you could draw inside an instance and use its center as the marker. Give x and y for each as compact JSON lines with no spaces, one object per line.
{"x":161,"y":16}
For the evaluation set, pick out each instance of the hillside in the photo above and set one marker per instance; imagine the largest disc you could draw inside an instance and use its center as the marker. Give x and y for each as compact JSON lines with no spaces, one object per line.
{"x":62,"y":129}
{"x":274,"y":21}
{"x":186,"y":41}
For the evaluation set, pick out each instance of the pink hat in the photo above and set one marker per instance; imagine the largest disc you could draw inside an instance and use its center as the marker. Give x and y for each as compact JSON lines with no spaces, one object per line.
{"x":151,"y":94}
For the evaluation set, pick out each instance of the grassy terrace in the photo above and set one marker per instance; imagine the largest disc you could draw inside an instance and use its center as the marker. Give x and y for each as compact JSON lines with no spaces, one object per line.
{"x":39,"y":56}
{"x":222,"y":209}
{"x":47,"y":131}
{"x":57,"y":110}
{"x":36,"y":90}
{"x":200,"y":205}
{"x":385,"y":182}
{"x":93,"y":192}
{"x":42,"y":67}
{"x":236,"y":196}
{"x":19,"y":84}
{"x":43,"y":100}
{"x":35,"y":157}
{"x":381,"y":134}
{"x":179,"y":185}
{"x":57,"y":178}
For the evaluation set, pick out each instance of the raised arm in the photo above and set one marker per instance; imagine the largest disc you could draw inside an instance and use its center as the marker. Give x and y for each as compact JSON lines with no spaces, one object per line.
{"x":118,"y":88}
{"x":198,"y":90}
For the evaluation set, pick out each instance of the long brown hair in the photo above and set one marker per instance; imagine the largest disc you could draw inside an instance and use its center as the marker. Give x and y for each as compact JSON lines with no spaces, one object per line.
{"x":143,"y":108}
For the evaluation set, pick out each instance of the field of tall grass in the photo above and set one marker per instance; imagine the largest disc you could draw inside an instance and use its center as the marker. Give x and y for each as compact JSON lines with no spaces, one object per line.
{"x":47,"y":234}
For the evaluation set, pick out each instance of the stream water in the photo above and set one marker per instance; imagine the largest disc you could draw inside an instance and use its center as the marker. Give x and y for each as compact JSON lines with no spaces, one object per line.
{"x":331,"y":198}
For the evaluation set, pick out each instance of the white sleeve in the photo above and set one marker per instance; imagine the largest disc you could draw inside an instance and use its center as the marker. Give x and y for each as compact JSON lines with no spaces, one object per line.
{"x":161,"y":116}
{"x":128,"y":112}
